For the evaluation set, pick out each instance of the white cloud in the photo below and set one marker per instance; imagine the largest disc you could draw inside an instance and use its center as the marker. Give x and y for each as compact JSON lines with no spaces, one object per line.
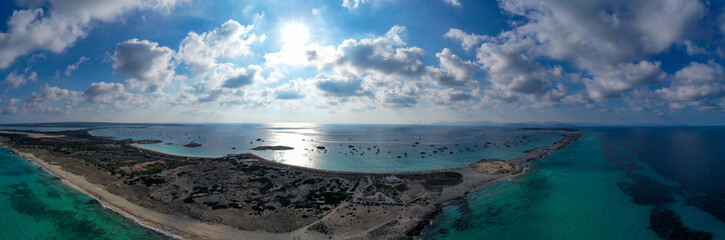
{"x":374,"y":56}
{"x":102,"y":92}
{"x":54,"y":94}
{"x":352,"y":4}
{"x":608,"y":41}
{"x":51,"y":100}
{"x":338,"y":86}
{"x":55,"y":25}
{"x":509,"y":69}
{"x":145,"y":62}
{"x":454,"y":71}
{"x":243,"y":77}
{"x":292,"y":90}
{"x":451,"y":96}
{"x":403,"y":96}
{"x":604,"y":32}
{"x":74,"y":66}
{"x":455,"y":3}
{"x":16,"y":80}
{"x":10,"y":106}
{"x":697,"y":84}
{"x":693,"y":49}
{"x":614,"y":81}
{"x":384,"y":56}
{"x":468,"y":40}
{"x":396,"y":71}
{"x":231,"y":40}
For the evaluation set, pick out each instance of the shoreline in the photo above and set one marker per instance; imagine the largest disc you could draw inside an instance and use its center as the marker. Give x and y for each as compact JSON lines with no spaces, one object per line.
{"x":168,"y":225}
{"x":529,"y":154}
{"x":45,"y":166}
{"x":184,"y":227}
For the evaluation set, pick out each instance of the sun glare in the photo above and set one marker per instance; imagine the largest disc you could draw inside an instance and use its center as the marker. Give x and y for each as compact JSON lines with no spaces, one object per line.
{"x":295,"y":34}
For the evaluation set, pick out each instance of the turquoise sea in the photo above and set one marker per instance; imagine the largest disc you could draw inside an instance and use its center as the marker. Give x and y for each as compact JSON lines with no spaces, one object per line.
{"x":36,"y":205}
{"x":615,"y":183}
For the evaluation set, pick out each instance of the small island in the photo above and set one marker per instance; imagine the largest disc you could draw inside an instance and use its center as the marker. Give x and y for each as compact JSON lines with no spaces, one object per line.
{"x":192,"y":145}
{"x":246,"y":195}
{"x":148,"y":141}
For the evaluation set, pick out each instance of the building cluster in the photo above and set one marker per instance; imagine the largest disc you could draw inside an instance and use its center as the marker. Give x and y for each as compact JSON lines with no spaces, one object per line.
{"x":375,"y":197}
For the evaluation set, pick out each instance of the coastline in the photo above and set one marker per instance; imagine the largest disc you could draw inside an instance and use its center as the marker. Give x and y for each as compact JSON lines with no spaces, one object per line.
{"x":169,"y":225}
{"x":59,"y":173}
{"x":184,"y":227}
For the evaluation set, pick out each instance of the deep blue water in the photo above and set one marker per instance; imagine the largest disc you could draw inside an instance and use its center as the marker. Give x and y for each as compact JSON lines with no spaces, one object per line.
{"x":692,"y":156}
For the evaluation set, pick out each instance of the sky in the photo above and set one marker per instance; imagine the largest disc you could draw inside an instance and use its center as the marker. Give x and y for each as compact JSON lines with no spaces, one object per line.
{"x":614,"y":62}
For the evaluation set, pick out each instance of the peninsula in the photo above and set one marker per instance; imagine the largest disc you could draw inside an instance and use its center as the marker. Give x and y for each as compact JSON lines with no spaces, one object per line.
{"x":244,"y":195}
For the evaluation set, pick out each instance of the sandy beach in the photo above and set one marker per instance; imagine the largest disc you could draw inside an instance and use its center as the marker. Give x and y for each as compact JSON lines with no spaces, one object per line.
{"x":174,"y":226}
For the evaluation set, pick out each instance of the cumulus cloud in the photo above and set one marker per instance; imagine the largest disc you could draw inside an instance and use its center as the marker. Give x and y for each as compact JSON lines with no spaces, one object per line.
{"x":384,"y":58}
{"x":451,"y":96}
{"x":54,"y":94}
{"x":294,"y":89}
{"x":244,"y":77}
{"x":379,"y":55}
{"x":612,"y":82}
{"x":232,"y":39}
{"x":468,"y":40}
{"x":148,"y":64}
{"x":608,"y":41}
{"x":337,"y":86}
{"x":454,"y":71}
{"x":605,"y":32}
{"x":402,"y":97}
{"x":54,"y":25}
{"x":385,"y":62}
{"x":509,"y":69}
{"x":496,"y":95}
{"x":16,"y":80}
{"x":102,"y":92}
{"x":51,"y":100}
{"x":644,"y":100}
{"x":10,"y":106}
{"x":74,"y":66}
{"x":697,"y":84}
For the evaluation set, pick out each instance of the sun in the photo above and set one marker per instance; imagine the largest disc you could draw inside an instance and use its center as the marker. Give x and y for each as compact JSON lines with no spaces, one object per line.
{"x":295,"y":34}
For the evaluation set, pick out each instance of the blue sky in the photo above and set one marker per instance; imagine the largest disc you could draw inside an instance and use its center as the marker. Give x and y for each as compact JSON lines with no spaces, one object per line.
{"x":363,"y":61}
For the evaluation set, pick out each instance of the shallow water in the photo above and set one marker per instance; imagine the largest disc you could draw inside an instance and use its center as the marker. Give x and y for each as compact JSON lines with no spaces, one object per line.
{"x":36,"y":205}
{"x":575,"y":193}
{"x":368,"y":148}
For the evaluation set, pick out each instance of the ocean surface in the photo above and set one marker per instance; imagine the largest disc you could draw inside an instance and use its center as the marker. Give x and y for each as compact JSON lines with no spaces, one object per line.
{"x":368,"y":148}
{"x":615,"y":183}
{"x":609,"y":185}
